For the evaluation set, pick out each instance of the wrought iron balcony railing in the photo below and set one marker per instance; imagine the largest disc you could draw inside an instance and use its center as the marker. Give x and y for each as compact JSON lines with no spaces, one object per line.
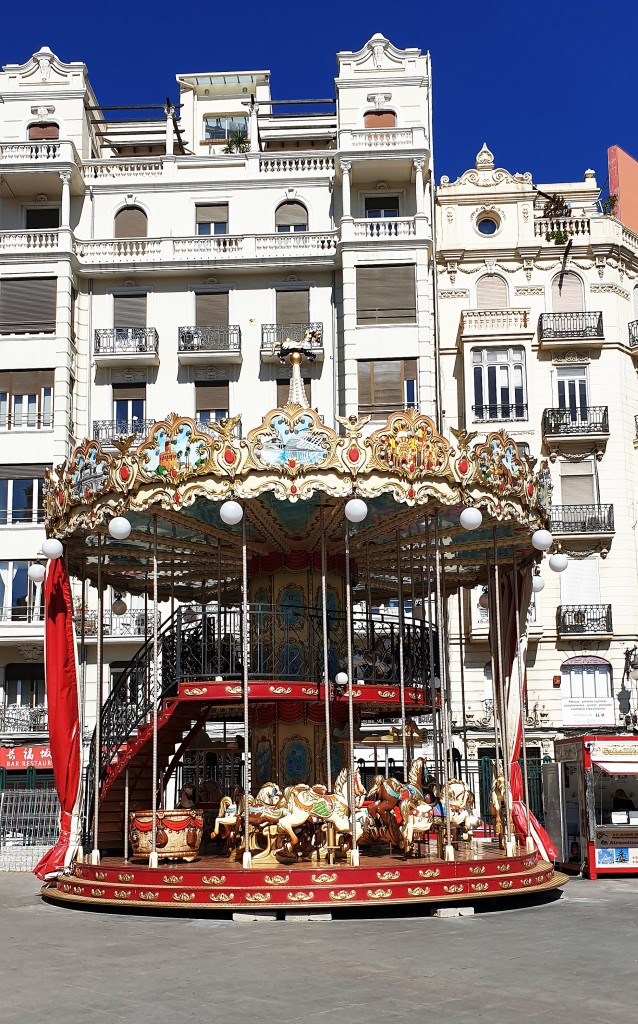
{"x":22,"y":613}
{"x":584,"y":618}
{"x":633,"y":334}
{"x":130,"y":624}
{"x":210,"y":339}
{"x":582,"y":519}
{"x":274,"y":335}
{"x":590,"y":419}
{"x":553,"y":326}
{"x":122,"y":340}
{"x":490,"y":413}
{"x":108,"y":430}
{"x":21,"y":718}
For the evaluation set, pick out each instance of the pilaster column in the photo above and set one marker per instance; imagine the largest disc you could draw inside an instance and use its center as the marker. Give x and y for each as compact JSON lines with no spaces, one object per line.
{"x":345,"y":189}
{"x":169,"y":130}
{"x":65,"y":212}
{"x":418,"y":185}
{"x":253,"y":129}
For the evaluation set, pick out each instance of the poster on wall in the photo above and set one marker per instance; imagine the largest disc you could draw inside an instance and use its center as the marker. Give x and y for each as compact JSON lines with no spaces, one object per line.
{"x":617,"y":857}
{"x":589,"y":711}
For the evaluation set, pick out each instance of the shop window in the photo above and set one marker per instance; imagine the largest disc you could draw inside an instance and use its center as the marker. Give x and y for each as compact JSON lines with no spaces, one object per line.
{"x":491,"y":292}
{"x":130,"y":222}
{"x":291,"y":216}
{"x":386,"y":295}
{"x":28,"y":305}
{"x":499,"y":384}
{"x":212,"y":219}
{"x":567,"y":293}
{"x":386,"y":386}
{"x":26,"y":400}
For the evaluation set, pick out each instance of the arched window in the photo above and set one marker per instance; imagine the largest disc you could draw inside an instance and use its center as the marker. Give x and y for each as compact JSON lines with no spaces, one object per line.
{"x":291,"y":216}
{"x":380,"y":119}
{"x":130,"y":222}
{"x":585,"y":676}
{"x":491,"y":292}
{"x":45,"y":130}
{"x":567,"y":294}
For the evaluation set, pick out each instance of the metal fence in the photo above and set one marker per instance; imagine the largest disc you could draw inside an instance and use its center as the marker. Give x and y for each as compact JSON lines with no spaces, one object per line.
{"x":29,"y":817}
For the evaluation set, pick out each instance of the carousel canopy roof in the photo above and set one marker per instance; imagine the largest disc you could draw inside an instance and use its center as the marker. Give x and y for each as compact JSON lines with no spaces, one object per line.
{"x":293,"y":476}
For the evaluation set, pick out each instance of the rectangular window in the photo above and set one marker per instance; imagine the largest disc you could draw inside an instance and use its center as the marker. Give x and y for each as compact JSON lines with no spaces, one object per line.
{"x":572,"y":392}
{"x":211,"y":309}
{"x":499,"y":384}
{"x":386,"y":206}
{"x":26,"y":399}
{"x":211,"y":401}
{"x":212,"y":220}
{"x":220,"y":129}
{"x":129,"y":408}
{"x":386,"y":295}
{"x":20,"y":599}
{"x":585,"y":681}
{"x":293,"y":307}
{"x":577,"y":483}
{"x":129,"y":311}
{"x":28,"y":305}
{"x":42,"y":218}
{"x":579,"y":583}
{"x":24,"y":685}
{"x":386,"y":385}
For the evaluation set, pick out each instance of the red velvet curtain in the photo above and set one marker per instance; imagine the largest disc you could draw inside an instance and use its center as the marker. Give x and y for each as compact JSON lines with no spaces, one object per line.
{"x":63,"y":712}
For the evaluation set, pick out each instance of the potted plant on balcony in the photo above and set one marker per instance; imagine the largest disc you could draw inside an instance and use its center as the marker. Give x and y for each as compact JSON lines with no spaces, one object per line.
{"x":237,"y":142}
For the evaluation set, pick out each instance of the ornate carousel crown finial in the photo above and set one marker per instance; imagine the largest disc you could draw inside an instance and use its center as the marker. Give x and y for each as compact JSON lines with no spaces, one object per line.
{"x":484,"y":159}
{"x":296,"y":350}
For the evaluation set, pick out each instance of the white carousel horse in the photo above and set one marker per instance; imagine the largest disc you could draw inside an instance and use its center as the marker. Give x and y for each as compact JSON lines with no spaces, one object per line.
{"x":314,"y":803}
{"x":262,"y":809}
{"x":459,"y":799}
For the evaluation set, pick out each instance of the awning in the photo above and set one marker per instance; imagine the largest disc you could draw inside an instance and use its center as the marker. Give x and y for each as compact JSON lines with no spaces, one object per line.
{"x":617,"y":767}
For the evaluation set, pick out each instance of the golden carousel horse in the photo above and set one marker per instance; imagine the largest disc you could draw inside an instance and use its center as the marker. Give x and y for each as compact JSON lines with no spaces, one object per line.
{"x":500,"y":797}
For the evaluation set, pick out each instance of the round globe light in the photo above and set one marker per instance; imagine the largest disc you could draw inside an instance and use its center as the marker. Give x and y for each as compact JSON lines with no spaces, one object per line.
{"x":119,"y":528}
{"x":119,"y":606}
{"x":558,"y":562}
{"x":341,"y":679}
{"x":231,"y":513}
{"x":633,"y":673}
{"x":437,"y":683}
{"x":36,"y":572}
{"x":471,"y":518}
{"x":52,"y":548}
{"x":484,"y":600}
{"x":356,"y":510}
{"x":542,"y":540}
{"x":538,"y":584}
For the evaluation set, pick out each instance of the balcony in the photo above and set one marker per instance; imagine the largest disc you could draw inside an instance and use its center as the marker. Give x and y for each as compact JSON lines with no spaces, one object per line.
{"x":560,"y":330}
{"x":131,"y":624}
{"x":367,"y":140}
{"x":561,"y":228}
{"x":581,"y":425}
{"x":209,"y":344}
{"x":507,"y":325}
{"x":273,"y":336}
{"x":126,"y":346}
{"x":20,"y":718}
{"x":29,"y":243}
{"x":500,"y":413}
{"x":384,"y":228}
{"x":107,"y":431}
{"x":582,"y":619}
{"x":584,"y":521}
{"x":28,"y":421}
{"x":633,"y":334}
{"x":296,"y":244}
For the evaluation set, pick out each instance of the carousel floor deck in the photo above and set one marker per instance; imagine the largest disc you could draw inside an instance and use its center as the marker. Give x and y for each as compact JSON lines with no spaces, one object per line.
{"x":217,"y":883}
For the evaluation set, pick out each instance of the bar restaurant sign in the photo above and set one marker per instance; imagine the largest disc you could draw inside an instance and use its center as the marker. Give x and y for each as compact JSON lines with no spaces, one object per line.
{"x":589,"y":711}
{"x":19,"y":758}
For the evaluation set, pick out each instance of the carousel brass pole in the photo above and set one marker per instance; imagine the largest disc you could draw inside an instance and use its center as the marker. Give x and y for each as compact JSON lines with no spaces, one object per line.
{"x":462,"y":665}
{"x":370,"y":629}
{"x":529,"y":842}
{"x":219,"y":608}
{"x":435,"y":736}
{"x":509,"y":843}
{"x":153,"y":858}
{"x":440,"y":598}
{"x":404,"y":744}
{"x":126,"y":806}
{"x":490,"y":592}
{"x":326,"y":652}
{"x":95,"y":854}
{"x":247,"y":858}
{"x":354,"y":853}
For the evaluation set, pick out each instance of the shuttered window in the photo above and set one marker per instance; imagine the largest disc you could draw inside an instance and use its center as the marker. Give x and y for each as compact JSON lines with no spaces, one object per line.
{"x":579,"y":582}
{"x":386,"y":385}
{"x":43,"y":132}
{"x":386,"y":294}
{"x":291,"y":217}
{"x":27,"y":305}
{"x":26,"y":399}
{"x":129,"y":392}
{"x":129,"y":311}
{"x":212,"y":401}
{"x":380,"y":119}
{"x":293,"y":307}
{"x":212,"y":219}
{"x":131,"y":222}
{"x":283,"y":387}
{"x":577,"y":484}
{"x":491,"y":292}
{"x":567,"y":294}
{"x":211,"y":309}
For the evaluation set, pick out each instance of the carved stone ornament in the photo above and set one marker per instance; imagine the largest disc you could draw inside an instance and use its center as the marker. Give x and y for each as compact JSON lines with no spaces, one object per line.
{"x":571,"y":356}
{"x":379,"y":99}
{"x":30,"y":652}
{"x":454,"y":293}
{"x":42,"y":113}
{"x":532,"y":290}
{"x":484,"y":159}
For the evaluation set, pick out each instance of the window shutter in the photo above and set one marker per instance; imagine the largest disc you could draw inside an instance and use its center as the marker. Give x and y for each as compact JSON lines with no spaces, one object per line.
{"x":577,"y":483}
{"x":211,"y":309}
{"x":28,"y":472}
{"x":131,"y":222}
{"x":386,"y":294}
{"x":211,"y":396}
{"x":43,"y":132}
{"x":579,"y":582}
{"x":293,"y":307}
{"x":213,"y":214}
{"x":27,"y":305}
{"x":129,"y":311}
{"x":129,"y":392}
{"x":388,"y":383}
{"x":380,"y":119}
{"x":491,"y":292}
{"x":567,"y":295}
{"x":291,"y":213}
{"x":364,"y":368}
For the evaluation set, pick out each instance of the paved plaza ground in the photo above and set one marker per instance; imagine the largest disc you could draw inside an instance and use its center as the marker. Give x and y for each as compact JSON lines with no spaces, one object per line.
{"x":575,"y":958}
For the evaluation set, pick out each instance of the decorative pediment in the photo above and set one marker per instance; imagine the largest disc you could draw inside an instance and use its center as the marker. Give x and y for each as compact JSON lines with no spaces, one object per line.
{"x":378,"y":54}
{"x":45,"y":68}
{"x":484,"y":174}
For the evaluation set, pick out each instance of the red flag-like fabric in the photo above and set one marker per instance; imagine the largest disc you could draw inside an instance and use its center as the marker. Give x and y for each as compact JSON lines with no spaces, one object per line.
{"x":60,"y":661}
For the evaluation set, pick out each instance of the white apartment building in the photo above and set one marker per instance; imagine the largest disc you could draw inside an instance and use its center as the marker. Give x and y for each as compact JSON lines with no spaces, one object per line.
{"x":151,"y":265}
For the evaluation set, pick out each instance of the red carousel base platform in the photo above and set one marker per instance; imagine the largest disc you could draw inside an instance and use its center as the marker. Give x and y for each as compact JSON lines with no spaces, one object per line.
{"x":215,"y":883}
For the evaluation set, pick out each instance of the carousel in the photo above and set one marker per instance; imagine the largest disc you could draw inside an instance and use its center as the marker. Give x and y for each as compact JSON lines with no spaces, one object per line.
{"x":275,"y":555}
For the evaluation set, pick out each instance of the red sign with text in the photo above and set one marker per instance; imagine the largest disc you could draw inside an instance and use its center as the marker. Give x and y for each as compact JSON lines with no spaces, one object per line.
{"x":20,"y":758}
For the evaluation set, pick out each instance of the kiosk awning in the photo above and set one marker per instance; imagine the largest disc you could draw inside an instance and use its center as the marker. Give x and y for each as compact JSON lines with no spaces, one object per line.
{"x":617,"y":767}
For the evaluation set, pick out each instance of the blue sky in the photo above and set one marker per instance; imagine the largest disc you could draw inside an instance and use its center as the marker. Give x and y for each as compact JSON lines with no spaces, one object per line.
{"x":549,"y":86}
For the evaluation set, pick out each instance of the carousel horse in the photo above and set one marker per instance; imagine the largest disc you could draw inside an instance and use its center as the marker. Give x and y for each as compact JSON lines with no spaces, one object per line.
{"x":498,"y":805}
{"x":262,"y":810}
{"x":393,"y":803}
{"x":314,"y":804}
{"x":459,"y":799}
